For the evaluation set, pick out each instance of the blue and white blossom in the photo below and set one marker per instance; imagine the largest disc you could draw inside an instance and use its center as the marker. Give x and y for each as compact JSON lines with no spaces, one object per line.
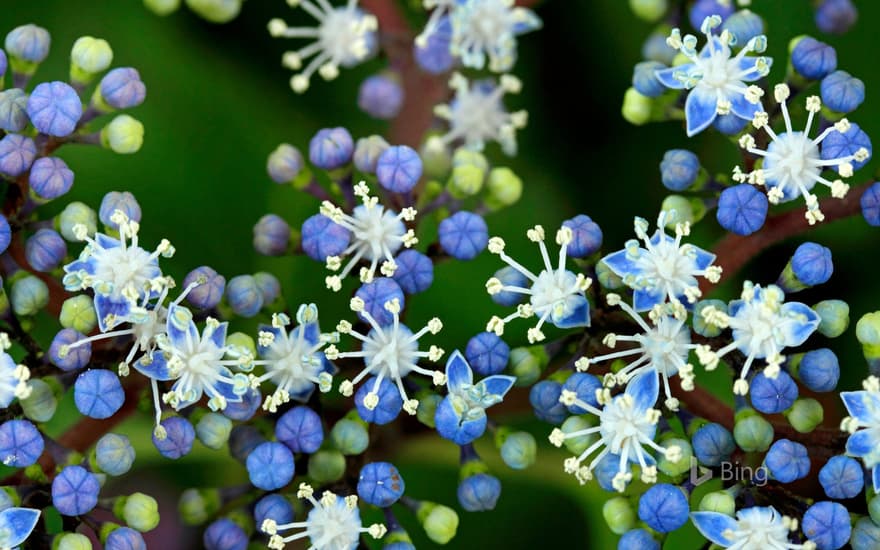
{"x":344,"y":37}
{"x":556,"y":295}
{"x":755,"y":527}
{"x":123,"y":275}
{"x":390,"y":351}
{"x":661,"y":350}
{"x":487,"y":29}
{"x":377,"y":234}
{"x":715,"y":77}
{"x":13,"y":377}
{"x":461,"y":416}
{"x":293,"y":358}
{"x":763,"y":325}
{"x":792,"y":162}
{"x":664,"y":269}
{"x":439,"y":10}
{"x":863,"y":425}
{"x":477,"y":115}
{"x":334,"y":523}
{"x":626,"y":430}
{"x":16,"y":525}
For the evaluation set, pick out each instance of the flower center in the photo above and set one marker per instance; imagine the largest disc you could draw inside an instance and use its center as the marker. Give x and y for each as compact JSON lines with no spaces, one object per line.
{"x":378,"y":232}
{"x":340,"y":35}
{"x":552,"y":289}
{"x":391,"y":351}
{"x":793,"y":156}
{"x":123,"y":267}
{"x":716,"y":69}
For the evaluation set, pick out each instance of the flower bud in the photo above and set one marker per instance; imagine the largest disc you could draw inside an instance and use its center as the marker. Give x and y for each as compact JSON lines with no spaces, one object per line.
{"x":718,"y":501}
{"x":428,"y":408}
{"x":224,"y":534}
{"x":805,"y":415}
{"x":41,"y":404}
{"x":865,"y":535}
{"x":89,"y":56}
{"x":123,"y":135}
{"x":285,"y":163}
{"x":742,"y":209}
{"x":868,"y":334}
{"x":123,"y":201}
{"x":636,"y":107}
{"x":619,"y":515}
{"x":380,"y":484}
{"x":836,"y":16}
{"x":833,"y":317}
{"x":54,"y":108}
{"x":196,"y":506}
{"x":121,"y":88}
{"x":139,"y":511}
{"x":504,"y":188}
{"x":162,"y":7}
{"x":527,"y":363}
{"x":216,"y":11}
{"x":213,"y":430}
{"x":519,"y":450}
{"x":680,"y":466}
{"x":367,"y":152}
{"x":350,"y":437}
{"x":399,"y":168}
{"x":27,"y":47}
{"x":29,"y":295}
{"x":479,"y":492}
{"x":244,"y":296}
{"x":114,"y":454}
{"x":74,"y":214}
{"x":874,"y":508}
{"x":810,"y":265}
{"x":468,"y":173}
{"x":13,"y":110}
{"x":437,"y":161}
{"x":679,"y":169}
{"x":271,"y":235}
{"x":17,"y":153}
{"x":650,"y":11}
{"x":269,"y":285}
{"x":841,"y":92}
{"x":811,"y":58}
{"x":45,"y":249}
{"x":326,"y":466}
{"x":71,"y":541}
{"x":607,"y":278}
{"x":818,"y":370}
{"x":381,"y":96}
{"x":208,"y":294}
{"x":752,"y":432}
{"x":122,"y":538}
{"x":440,"y":522}
{"x":331,"y":148}
{"x":744,"y":25}
{"x":577,"y":445}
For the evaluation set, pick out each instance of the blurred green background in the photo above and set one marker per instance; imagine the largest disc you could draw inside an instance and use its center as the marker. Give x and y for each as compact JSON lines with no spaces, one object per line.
{"x":218,"y":102}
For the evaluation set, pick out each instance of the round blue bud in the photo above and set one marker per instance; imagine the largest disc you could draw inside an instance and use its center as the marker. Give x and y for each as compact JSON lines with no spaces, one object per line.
{"x":679,"y":169}
{"x":5,"y":234}
{"x":375,"y":295}
{"x":544,"y":397}
{"x":729,"y":124}
{"x":463,"y":235}
{"x":17,"y":153}
{"x":114,"y":454}
{"x":50,"y":178}
{"x":54,"y":108}
{"x":870,"y":203}
{"x":225,"y":534}
{"x":787,"y":461}
{"x":122,"y":88}
{"x":585,"y":386}
{"x":744,"y":25}
{"x":836,"y":16}
{"x":399,"y":168}
{"x":208,"y":294}
{"x":742,"y":209}
{"x":865,"y":535}
{"x":270,"y":466}
{"x":637,"y":539}
{"x":510,"y":277}
{"x":21,"y":444}
{"x":819,"y":370}
{"x":415,"y":271}
{"x":664,"y":507}
{"x":487,"y":353}
{"x":813,"y":59}
{"x":644,"y":80}
{"x":3,"y":62}
{"x":45,"y":249}
{"x":125,"y":538}
{"x":274,"y":507}
{"x":367,"y":152}
{"x":285,"y":163}
{"x":246,"y":408}
{"x":842,"y":477}
{"x":380,"y":484}
{"x":244,"y":295}
{"x":586,"y":236}
{"x":322,"y":237}
{"x":712,"y":444}
{"x":300,"y":429}
{"x":331,"y":148}
{"x":242,"y":440}
{"x":837,"y":145}
{"x":435,"y":55}
{"x":479,"y":493}
{"x":98,"y":393}
{"x":271,"y":235}
{"x":13,"y":109}
{"x":179,"y":438}
{"x":29,"y":43}
{"x":390,"y":402}
{"x":811,"y":264}
{"x":381,"y":96}
{"x":269,"y":285}
{"x":827,"y":524}
{"x":75,"y":491}
{"x":701,"y":9}
{"x":123,"y":201}
{"x":842,"y":92}
{"x":66,"y":358}
{"x":773,"y":395}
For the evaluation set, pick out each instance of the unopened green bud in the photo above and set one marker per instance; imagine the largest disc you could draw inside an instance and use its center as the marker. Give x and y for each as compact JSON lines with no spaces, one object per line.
{"x":703,"y":328}
{"x":577,"y":445}
{"x":123,"y":135}
{"x":88,"y":57}
{"x":216,"y":11}
{"x":607,"y":278}
{"x":676,"y":467}
{"x":718,"y":501}
{"x":78,"y":313}
{"x":636,"y":107}
{"x":71,"y":541}
{"x":326,"y":466}
{"x":436,"y":161}
{"x":874,"y":508}
{"x":504,"y":187}
{"x":519,"y":450}
{"x":527,"y":363}
{"x":805,"y":415}
{"x":162,"y":7}
{"x":833,"y":317}
{"x":619,"y":515}
{"x":139,"y":511}
{"x":440,"y":522}
{"x":29,"y":295}
{"x":648,"y":10}
{"x":213,"y":430}
{"x":41,"y":404}
{"x":752,"y":432}
{"x":868,"y":334}
{"x":243,"y":342}
{"x":196,"y":506}
{"x":350,"y":437}
{"x":74,"y":214}
{"x":428,"y":403}
{"x":466,"y":181}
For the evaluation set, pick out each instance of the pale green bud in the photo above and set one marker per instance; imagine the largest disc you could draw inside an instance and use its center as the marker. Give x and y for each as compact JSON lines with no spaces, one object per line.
{"x":466,"y":181}
{"x":326,"y":466}
{"x":504,"y":188}
{"x":805,"y":415}
{"x":196,"y":506}
{"x":216,"y":11}
{"x":607,"y":278}
{"x":71,"y":541}
{"x":41,"y":404}
{"x":619,"y":515}
{"x":162,"y":7}
{"x":440,"y":522}
{"x":752,"y":432}
{"x":718,"y":501}
{"x":88,"y":57}
{"x":519,"y":450}
{"x":213,"y":430}
{"x":636,"y":107}
{"x":577,"y":445}
{"x":834,"y":317}
{"x":78,"y":313}
{"x":124,"y":135}
{"x":649,"y":10}
{"x":427,"y":407}
{"x":77,"y":213}
{"x":350,"y":437}
{"x":527,"y":363}
{"x":29,"y":295}
{"x":680,"y":466}
{"x":139,"y":511}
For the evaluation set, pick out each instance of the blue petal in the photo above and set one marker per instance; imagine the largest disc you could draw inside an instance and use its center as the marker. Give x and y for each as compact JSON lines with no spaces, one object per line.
{"x":646,"y":298}
{"x":742,"y":107}
{"x":702,"y":258}
{"x":734,"y":307}
{"x":621,"y":265}
{"x":712,"y":525}
{"x":800,"y":322}
{"x":105,"y":241}
{"x":667,"y":76}
{"x":226,"y":389}
{"x":107,"y":305}
{"x":458,"y":372}
{"x":498,"y":384}
{"x":864,"y":406}
{"x":644,"y":390}
{"x":218,"y":335}
{"x":277,"y":332}
{"x":579,"y":316}
{"x":700,"y":109}
{"x":526,"y":20}
{"x":861,"y":443}
{"x":17,"y":524}
{"x":81,"y":265}
{"x":312,"y":334}
{"x":747,"y":63}
{"x":154,"y":366}
{"x":181,"y":329}
{"x":450,"y":426}
{"x":875,"y":478}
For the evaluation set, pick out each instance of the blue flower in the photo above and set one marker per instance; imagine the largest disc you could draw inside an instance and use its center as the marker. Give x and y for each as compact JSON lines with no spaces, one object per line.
{"x":556,"y":295}
{"x":16,"y":525}
{"x":344,"y":37}
{"x":715,"y":77}
{"x":21,"y":443}
{"x":755,"y":527}
{"x":487,"y":29}
{"x":664,"y":269}
{"x":333,"y":522}
{"x":13,"y":380}
{"x":763,"y":326}
{"x":793,"y":164}
{"x":75,"y":491}
{"x":863,"y":424}
{"x":461,"y":416}
{"x":293,"y":359}
{"x":432,"y":48}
